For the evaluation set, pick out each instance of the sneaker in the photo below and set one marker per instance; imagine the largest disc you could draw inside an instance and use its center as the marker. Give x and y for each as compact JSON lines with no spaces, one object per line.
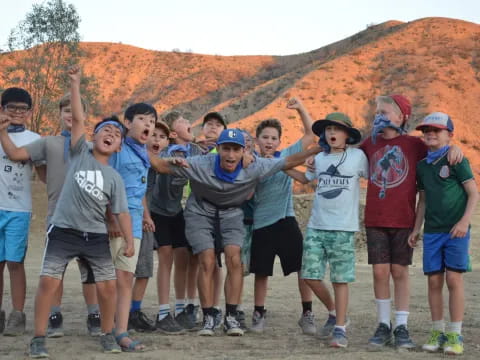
{"x":196,"y":314}
{"x":241,"y":320}
{"x":93,"y":324}
{"x":185,"y":319}
{"x":109,"y":344}
{"x":37,"y":348}
{"x":454,"y":344}
{"x":327,"y":328}
{"x":208,"y":327}
{"x":339,"y":338}
{"x":258,"y":322}
{"x":436,"y":341}
{"x":307,"y":323}
{"x":138,"y":321}
{"x":382,"y":336}
{"x":218,"y":318}
{"x":402,"y":338}
{"x":231,"y":326}
{"x":169,"y":326}
{"x":55,"y":325}
{"x":2,"y":321}
{"x":15,"y":324}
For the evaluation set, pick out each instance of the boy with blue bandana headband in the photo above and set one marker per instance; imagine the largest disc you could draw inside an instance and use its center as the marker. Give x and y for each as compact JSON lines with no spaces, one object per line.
{"x":447,"y":198}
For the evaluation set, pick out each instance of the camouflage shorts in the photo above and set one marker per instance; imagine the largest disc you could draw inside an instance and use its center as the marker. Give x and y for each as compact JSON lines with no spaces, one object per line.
{"x":337,"y":248}
{"x":247,"y":249}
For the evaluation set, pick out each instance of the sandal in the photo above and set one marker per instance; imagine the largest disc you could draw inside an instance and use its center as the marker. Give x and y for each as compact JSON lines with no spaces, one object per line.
{"x":132,"y":347}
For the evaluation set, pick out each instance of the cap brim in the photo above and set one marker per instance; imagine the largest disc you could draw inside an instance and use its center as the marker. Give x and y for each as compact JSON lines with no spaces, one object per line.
{"x":438,"y":126}
{"x":231,"y":142}
{"x":319,"y":126}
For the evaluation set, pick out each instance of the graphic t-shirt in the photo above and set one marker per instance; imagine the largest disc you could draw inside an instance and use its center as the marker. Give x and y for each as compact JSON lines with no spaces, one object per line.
{"x":335,"y":206}
{"x":88,"y":188}
{"x":445,"y":196}
{"x":391,"y":191}
{"x":15,"y":176}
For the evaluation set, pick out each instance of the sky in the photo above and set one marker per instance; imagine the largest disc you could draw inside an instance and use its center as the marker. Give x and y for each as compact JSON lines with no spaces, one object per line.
{"x":247,"y":27}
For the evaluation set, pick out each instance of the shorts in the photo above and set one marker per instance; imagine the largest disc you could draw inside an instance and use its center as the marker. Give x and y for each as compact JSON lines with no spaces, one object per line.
{"x":441,"y":252}
{"x":145,"y":256}
{"x":282,"y":238}
{"x":247,"y":249}
{"x":120,"y":261}
{"x":388,"y":246}
{"x":170,"y":230}
{"x":200,"y":231}
{"x":14,"y":227}
{"x":65,"y":244}
{"x":337,"y":248}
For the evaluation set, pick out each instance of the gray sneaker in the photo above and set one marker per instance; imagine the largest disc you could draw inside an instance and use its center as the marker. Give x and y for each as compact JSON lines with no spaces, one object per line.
{"x":231,"y":326}
{"x":186,"y":320}
{"x":339,"y":338}
{"x":37,"y":348}
{"x":307,"y":323}
{"x":241,"y":319}
{"x":15,"y":324}
{"x":382,"y":336}
{"x":208,"y":327}
{"x":109,"y":344}
{"x":93,"y":324}
{"x":2,"y":321}
{"x":218,"y":318}
{"x":327,"y":328}
{"x":169,"y":326}
{"x":55,"y":325}
{"x":258,"y":322}
{"x":402,"y":338}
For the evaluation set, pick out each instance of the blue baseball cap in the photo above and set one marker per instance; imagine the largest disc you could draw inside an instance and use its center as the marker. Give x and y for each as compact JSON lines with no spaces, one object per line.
{"x":231,"y":136}
{"x":437,"y":120}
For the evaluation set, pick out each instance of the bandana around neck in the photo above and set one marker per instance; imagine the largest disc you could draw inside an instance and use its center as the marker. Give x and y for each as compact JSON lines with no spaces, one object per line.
{"x":381,"y":122}
{"x":139,"y":149}
{"x":225,"y":175}
{"x":437,"y":154}
{"x":15,"y":128}
{"x":66,"y":145}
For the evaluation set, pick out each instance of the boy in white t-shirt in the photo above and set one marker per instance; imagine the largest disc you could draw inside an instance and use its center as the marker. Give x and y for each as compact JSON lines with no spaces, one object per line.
{"x":15,"y":206}
{"x":334,"y":219}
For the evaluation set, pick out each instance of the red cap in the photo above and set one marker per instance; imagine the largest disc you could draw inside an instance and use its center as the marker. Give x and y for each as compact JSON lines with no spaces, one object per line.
{"x":404,"y":105}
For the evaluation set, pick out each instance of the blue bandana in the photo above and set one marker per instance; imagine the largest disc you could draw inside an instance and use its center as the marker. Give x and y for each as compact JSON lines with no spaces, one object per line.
{"x":435,"y":155}
{"x":15,"y":128}
{"x":66,"y":146}
{"x":381,"y":122}
{"x":324,"y":144}
{"x":277,"y":154}
{"x":181,"y":148}
{"x":139,"y":149}
{"x":225,"y":175}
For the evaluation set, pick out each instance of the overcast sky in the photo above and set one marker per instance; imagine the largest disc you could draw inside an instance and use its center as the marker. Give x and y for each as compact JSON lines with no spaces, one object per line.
{"x":247,"y":27}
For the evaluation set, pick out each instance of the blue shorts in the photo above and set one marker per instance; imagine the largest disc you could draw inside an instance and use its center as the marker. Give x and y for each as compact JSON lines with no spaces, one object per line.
{"x":14,"y":226}
{"x":441,"y":252}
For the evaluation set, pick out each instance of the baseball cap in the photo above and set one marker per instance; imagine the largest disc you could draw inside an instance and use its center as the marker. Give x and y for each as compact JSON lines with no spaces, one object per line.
{"x":437,"y":120}
{"x":214,"y":115}
{"x":231,"y":136}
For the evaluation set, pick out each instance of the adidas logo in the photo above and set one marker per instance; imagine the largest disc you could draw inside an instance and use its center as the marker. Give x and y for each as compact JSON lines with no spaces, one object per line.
{"x":91,"y":182}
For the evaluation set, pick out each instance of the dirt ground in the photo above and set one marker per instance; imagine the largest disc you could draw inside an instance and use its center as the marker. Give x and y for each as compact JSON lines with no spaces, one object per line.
{"x":282,"y":339}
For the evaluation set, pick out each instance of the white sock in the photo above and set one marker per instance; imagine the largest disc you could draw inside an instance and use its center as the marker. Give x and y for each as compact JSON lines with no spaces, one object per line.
{"x":438,"y":325}
{"x":193,"y":301}
{"x":383,"y":310}
{"x":344,"y":328}
{"x":179,"y":306}
{"x":163,"y":311}
{"x":401,"y":318}
{"x":455,"y":327}
{"x":333,"y":313}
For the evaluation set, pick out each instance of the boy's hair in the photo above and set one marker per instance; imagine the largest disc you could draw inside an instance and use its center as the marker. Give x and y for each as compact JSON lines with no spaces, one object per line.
{"x":140,"y":109}
{"x":15,"y":94}
{"x":215,"y":115}
{"x":161,"y":125}
{"x":112,"y":118}
{"x":273,"y":123}
{"x":171,"y":117}
{"x":67,"y":101}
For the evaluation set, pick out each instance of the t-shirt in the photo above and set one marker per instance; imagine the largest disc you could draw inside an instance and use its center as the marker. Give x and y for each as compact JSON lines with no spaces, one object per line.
{"x":88,"y":188}
{"x":391,"y":191}
{"x":445,"y":196}
{"x":15,"y":176}
{"x":335,"y":206}
{"x":273,"y":199}
{"x":168,"y":190}
{"x":207,"y":189}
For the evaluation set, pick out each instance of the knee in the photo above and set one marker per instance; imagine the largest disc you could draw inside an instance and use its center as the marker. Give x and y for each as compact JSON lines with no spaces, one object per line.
{"x":381,"y":273}
{"x":233,"y":261}
{"x":454,"y":280}
{"x":207,"y":264}
{"x":399,"y":272}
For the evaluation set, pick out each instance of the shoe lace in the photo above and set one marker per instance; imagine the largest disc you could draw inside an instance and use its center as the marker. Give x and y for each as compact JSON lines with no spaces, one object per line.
{"x":232,"y":322}
{"x":452,"y":338}
{"x":208,"y":321}
{"x":434,"y":337}
{"x":309,"y":317}
{"x":402,"y":332}
{"x":381,"y":329}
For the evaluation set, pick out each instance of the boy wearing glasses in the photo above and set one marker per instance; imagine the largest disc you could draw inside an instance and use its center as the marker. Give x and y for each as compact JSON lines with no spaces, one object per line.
{"x":15,"y":206}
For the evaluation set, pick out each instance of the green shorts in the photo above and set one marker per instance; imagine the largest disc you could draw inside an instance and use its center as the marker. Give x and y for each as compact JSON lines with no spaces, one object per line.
{"x":247,"y":249}
{"x":337,"y":248}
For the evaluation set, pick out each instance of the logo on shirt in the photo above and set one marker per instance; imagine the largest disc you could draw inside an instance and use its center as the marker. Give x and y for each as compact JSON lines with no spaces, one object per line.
{"x":90,"y":181}
{"x":444,"y":172}
{"x":388,"y":168}
{"x":331,"y":183}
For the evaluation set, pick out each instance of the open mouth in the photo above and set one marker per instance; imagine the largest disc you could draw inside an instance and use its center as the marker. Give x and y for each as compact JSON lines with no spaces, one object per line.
{"x":146,"y":132}
{"x":108,"y":142}
{"x":333,"y":139}
{"x":155,"y":147}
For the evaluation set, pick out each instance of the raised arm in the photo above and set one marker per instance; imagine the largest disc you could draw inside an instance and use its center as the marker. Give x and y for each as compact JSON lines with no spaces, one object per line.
{"x":308,"y":135}
{"x":299,"y":158}
{"x":14,"y":153}
{"x":78,"y":116}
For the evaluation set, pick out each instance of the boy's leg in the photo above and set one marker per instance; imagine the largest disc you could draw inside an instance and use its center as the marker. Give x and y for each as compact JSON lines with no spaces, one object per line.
{"x":180,"y":259}
{"x":341,"y":302}
{"x":205,"y":278}
{"x":47,"y":286}
{"x":18,"y":284}
{"x":435,"y":295}
{"x":107,"y":296}
{"x":233,"y":288}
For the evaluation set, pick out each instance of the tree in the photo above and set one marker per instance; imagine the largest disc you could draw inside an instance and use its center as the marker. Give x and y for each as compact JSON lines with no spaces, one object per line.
{"x":50,"y":39}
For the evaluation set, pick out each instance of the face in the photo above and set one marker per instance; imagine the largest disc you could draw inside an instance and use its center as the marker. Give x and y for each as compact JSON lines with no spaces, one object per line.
{"x":230,"y":156}
{"x":141,"y":127}
{"x":268,"y":141}
{"x":212,"y":129}
{"x":66,"y":117}
{"x":336,"y":136}
{"x":108,"y":140}
{"x":182,"y":130}
{"x":157,"y":142}
{"x":436,"y":138}
{"x":390,"y":112}
{"x":19,"y":112}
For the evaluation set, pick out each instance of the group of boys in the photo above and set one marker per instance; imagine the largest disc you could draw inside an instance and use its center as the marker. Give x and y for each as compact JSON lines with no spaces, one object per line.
{"x":113,"y":201}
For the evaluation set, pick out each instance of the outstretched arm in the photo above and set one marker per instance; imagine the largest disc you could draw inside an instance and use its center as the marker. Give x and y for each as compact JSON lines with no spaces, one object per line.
{"x":162,"y":165}
{"x":14,"y":153}
{"x":308,"y":135}
{"x":78,"y":116}
{"x":299,"y":158}
{"x":297,"y":175}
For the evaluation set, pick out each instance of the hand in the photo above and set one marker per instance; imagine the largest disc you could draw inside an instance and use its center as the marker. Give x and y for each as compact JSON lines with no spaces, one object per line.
{"x":294,"y":103}
{"x":310,"y":164}
{"x":206,"y":143}
{"x":177,"y":161}
{"x":74,"y":73}
{"x":113,"y":229}
{"x":4,"y":121}
{"x":460,"y":229}
{"x":413,"y":239}
{"x":148,"y":224}
{"x":128,"y":249}
{"x":247,"y":159}
{"x":454,"y":155}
